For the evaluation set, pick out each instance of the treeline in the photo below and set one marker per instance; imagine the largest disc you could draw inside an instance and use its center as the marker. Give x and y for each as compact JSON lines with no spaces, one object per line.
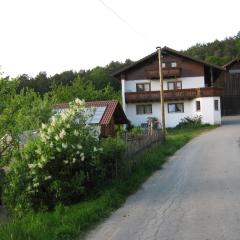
{"x":98,"y":77}
{"x":217,"y":52}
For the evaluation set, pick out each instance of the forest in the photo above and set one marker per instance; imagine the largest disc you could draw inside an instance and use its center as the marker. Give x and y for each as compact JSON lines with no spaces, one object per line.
{"x":217,"y":52}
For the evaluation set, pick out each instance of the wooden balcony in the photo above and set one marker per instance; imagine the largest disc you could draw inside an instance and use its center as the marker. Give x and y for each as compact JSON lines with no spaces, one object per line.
{"x":167,"y":73}
{"x":180,"y":94}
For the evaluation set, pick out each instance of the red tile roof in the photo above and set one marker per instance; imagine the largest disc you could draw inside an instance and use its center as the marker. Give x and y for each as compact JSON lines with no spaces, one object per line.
{"x":113,"y":107}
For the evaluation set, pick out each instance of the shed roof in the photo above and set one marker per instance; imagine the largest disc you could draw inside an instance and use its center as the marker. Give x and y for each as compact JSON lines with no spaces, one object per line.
{"x":231,"y":62}
{"x":113,"y":109}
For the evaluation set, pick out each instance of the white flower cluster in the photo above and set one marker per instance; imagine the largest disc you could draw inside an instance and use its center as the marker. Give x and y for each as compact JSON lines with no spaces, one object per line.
{"x":56,"y":136}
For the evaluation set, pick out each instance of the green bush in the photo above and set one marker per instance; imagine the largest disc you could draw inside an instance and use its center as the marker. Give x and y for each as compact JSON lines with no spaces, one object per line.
{"x":111,"y":156}
{"x":190,"y":122}
{"x":59,"y":167}
{"x":2,"y":179}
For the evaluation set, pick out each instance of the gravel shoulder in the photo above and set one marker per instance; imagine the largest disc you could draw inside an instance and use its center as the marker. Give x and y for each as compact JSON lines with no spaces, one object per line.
{"x":195,"y":196}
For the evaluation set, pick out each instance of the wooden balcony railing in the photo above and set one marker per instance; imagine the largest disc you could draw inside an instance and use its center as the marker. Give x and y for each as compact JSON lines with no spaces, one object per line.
{"x":180,"y":94}
{"x":167,"y":72}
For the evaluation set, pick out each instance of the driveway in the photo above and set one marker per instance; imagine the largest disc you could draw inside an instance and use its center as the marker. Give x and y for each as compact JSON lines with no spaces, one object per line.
{"x":195,"y":197}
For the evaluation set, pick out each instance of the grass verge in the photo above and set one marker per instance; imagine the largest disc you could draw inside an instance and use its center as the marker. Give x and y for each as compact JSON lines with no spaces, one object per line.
{"x":71,"y":222}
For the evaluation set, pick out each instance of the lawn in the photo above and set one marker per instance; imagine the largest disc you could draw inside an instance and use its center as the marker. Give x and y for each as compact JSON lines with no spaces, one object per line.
{"x":73,"y":221}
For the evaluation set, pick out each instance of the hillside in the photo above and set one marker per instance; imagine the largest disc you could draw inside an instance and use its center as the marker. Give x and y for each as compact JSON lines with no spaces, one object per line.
{"x":217,"y":52}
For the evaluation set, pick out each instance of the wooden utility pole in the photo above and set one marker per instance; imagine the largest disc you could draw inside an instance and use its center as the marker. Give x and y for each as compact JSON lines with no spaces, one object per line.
{"x":161,"y":91}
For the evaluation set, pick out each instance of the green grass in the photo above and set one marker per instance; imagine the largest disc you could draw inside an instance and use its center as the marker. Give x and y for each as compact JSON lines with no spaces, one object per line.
{"x":73,"y":221}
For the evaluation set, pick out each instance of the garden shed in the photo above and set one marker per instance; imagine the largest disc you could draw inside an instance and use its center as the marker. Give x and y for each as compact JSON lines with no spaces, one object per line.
{"x":108,"y":114}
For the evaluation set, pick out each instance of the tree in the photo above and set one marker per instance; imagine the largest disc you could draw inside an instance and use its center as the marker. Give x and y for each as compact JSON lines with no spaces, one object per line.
{"x":218,"y":52}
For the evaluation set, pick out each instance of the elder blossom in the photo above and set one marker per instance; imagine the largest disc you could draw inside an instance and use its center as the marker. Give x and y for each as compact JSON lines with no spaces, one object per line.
{"x":62,"y":134}
{"x":57,"y":138}
{"x":31,"y":166}
{"x":43,"y":159}
{"x":40,"y":165}
{"x":79,"y":146}
{"x":64,"y":145}
{"x":79,"y":102}
{"x":48,"y":177}
{"x":35,"y":184}
{"x":82,"y":157}
{"x":58,"y":149}
{"x":75,"y":132}
{"x":38,"y":151}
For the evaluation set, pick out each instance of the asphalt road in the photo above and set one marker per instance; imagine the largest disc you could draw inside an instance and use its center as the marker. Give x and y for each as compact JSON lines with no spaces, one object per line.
{"x":195,"y":197}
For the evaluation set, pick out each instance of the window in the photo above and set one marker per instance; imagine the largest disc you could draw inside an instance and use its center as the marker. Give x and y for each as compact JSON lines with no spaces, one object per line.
{"x":143,"y":87}
{"x":143,"y":109}
{"x":198,"y":106}
{"x":163,"y":65}
{"x":178,"y":85}
{"x":216,"y":105}
{"x":171,"y":85}
{"x":175,"y":107}
{"x":174,"y":85}
{"x":173,"y":64}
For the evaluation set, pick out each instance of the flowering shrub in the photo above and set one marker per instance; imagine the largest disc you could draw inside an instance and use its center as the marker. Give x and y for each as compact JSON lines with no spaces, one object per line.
{"x":59,"y":166}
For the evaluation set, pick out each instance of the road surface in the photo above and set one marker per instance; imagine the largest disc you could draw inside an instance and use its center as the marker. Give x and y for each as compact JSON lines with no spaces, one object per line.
{"x":195,"y":197}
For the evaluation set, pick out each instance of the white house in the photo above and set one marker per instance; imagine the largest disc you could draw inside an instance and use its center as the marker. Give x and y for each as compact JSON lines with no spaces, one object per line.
{"x":188,"y":89}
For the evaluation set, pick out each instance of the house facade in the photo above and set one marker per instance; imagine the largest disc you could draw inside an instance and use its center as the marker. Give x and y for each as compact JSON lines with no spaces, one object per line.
{"x":188,"y":89}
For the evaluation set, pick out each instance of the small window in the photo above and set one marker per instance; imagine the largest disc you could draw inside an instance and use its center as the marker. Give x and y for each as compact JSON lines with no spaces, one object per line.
{"x":143,"y":109}
{"x":175,"y":107}
{"x":174,"y":85}
{"x":173,"y":64}
{"x":163,"y":65}
{"x":198,"y":106}
{"x":216,"y":105}
{"x":171,"y":86}
{"x":143,"y":87}
{"x":178,"y":85}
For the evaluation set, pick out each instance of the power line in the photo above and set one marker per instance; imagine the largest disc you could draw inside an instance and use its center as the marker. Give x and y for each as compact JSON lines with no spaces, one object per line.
{"x":123,"y":20}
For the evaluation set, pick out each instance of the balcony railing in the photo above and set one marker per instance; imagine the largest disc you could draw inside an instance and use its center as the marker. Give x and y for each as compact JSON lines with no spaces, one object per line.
{"x":167,"y":72}
{"x":154,"y":96}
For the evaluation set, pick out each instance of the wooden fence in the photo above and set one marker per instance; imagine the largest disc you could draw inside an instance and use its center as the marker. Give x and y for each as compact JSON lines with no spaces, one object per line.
{"x":136,"y":143}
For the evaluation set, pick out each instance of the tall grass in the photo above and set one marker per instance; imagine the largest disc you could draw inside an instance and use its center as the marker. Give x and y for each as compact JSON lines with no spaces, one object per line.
{"x":73,"y":221}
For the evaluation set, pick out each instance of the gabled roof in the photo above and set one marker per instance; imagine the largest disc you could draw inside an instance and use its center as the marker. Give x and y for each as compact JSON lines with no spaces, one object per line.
{"x":113,"y":108}
{"x":170,"y":50}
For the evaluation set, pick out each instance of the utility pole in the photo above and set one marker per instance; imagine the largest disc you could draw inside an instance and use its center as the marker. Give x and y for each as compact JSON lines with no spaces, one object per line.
{"x":161,"y":92}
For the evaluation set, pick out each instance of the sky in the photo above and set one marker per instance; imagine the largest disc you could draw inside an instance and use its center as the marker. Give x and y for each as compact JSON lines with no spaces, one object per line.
{"x":59,"y":35}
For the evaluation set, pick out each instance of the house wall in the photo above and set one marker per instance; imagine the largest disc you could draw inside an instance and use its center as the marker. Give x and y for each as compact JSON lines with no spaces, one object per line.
{"x":187,"y":82}
{"x":188,"y":67}
{"x":209,"y":115}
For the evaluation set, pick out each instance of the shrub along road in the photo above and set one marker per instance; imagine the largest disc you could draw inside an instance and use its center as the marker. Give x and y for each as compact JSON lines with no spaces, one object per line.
{"x":196,"y":196}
